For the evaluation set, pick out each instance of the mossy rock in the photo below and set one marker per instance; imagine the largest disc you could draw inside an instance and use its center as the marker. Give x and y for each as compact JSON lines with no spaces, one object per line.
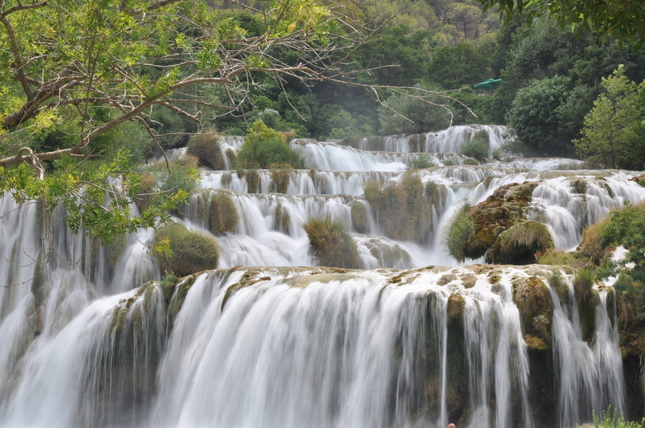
{"x":222,"y":214}
{"x":578,"y":185}
{"x":359,"y":217}
{"x":192,"y":251}
{"x":519,"y":244}
{"x":500,"y":211}
{"x":533,"y":300}
{"x":455,"y":308}
{"x":206,"y":148}
{"x":640,"y":180}
{"x":331,"y":245}
{"x":389,"y":256}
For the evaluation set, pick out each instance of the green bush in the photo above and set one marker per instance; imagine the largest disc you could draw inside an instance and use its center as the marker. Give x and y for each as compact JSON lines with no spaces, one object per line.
{"x":479,"y":146}
{"x":611,"y":418}
{"x":470,"y":161}
{"x":265,"y":147}
{"x":252,"y":180}
{"x":190,"y":251}
{"x":403,"y":210}
{"x":223,"y":214}
{"x":461,"y":228}
{"x":332,"y":245}
{"x":421,"y":161}
{"x":626,"y":227}
{"x":206,"y":148}
{"x":448,"y":163}
{"x":280,"y":179}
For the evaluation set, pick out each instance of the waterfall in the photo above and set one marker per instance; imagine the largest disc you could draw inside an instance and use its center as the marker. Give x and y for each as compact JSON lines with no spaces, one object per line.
{"x":97,"y":336}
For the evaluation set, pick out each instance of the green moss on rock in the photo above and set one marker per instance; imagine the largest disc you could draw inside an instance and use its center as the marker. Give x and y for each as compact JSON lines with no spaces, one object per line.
{"x":533,"y":300}
{"x":502,"y":210}
{"x":192,"y":251}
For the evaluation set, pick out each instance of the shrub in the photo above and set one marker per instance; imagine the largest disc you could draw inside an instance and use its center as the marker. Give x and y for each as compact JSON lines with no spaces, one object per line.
{"x":359,"y":217}
{"x":461,"y":229}
{"x":252,"y":180}
{"x":560,"y":258}
{"x":448,"y":163}
{"x":590,"y":246}
{"x":226,"y":179}
{"x":583,"y":282}
{"x":331,"y":244}
{"x":611,"y":418}
{"x":520,"y":243}
{"x":421,"y":161}
{"x":232,"y":157}
{"x":280,"y":179}
{"x":206,"y":148}
{"x":470,"y":161}
{"x":479,"y":147}
{"x":265,"y":146}
{"x":403,"y":210}
{"x":190,"y":251}
{"x":625,"y":227}
{"x":223,"y":214}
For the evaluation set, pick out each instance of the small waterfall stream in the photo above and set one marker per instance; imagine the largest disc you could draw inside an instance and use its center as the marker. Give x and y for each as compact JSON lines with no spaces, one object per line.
{"x":90,"y":336}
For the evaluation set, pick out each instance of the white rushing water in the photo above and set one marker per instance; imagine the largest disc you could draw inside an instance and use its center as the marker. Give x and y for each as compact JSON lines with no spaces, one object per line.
{"x":82,"y":345}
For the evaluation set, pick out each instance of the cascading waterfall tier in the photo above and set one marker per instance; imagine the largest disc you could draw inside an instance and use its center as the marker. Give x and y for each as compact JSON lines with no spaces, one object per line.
{"x":323,"y":347}
{"x":92,"y":336}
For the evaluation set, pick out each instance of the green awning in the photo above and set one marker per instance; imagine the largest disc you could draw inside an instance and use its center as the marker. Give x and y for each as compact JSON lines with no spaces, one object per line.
{"x":488,"y":84}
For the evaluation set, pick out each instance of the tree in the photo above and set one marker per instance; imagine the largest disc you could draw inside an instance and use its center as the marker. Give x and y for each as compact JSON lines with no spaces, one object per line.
{"x":613,"y":131}
{"x":77,"y":70}
{"x":454,"y":67}
{"x":535,"y":120}
{"x":617,"y":19}
{"x":409,"y":114}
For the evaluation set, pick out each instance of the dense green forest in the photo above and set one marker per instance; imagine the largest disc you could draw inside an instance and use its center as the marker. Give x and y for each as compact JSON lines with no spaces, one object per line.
{"x":551,"y":79}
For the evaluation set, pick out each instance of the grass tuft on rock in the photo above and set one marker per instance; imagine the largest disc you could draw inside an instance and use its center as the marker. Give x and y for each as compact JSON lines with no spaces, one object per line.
{"x":461,"y":229}
{"x":206,"y":148}
{"x":189,"y":251}
{"x":223,"y":215}
{"x":331,"y":245}
{"x":520,"y":243}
